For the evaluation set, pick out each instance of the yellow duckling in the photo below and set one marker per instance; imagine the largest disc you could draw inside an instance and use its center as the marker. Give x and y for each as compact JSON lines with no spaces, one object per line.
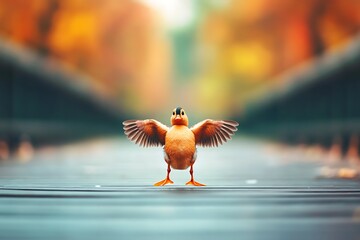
{"x":179,"y":142}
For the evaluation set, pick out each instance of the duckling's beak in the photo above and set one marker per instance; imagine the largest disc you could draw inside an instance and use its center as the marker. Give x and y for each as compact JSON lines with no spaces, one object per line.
{"x":177,"y":116}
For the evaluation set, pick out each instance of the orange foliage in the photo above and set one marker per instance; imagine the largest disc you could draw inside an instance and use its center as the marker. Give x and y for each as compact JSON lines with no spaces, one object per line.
{"x":122,"y":44}
{"x":251,"y":41}
{"x":112,"y":41}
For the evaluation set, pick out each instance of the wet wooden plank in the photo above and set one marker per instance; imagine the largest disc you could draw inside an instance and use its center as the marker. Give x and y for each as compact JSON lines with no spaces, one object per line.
{"x":102,"y":189}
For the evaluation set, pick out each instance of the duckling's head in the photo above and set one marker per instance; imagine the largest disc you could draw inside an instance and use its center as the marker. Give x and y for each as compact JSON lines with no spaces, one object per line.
{"x":179,"y":117}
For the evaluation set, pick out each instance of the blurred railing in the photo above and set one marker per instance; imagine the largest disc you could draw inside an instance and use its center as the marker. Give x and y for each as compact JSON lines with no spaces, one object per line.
{"x":318,"y":103}
{"x":42,"y":102}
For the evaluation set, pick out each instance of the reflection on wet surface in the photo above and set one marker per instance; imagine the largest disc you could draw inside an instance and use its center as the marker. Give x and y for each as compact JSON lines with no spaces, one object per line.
{"x":104,"y":188}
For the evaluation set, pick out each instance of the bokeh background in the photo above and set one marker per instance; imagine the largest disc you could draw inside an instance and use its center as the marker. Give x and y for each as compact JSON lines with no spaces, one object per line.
{"x":71,"y":71}
{"x":100,"y":62}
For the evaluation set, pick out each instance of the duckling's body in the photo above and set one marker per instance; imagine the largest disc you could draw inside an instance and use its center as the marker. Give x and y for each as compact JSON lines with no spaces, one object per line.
{"x":179,"y":141}
{"x":180,"y":147}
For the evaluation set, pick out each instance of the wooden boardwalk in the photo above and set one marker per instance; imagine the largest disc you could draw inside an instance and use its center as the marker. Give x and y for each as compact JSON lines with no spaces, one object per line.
{"x":102,"y":190}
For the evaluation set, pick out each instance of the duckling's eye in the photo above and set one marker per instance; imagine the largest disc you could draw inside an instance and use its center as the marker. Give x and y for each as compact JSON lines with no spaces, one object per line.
{"x":182,"y":113}
{"x":174,"y":113}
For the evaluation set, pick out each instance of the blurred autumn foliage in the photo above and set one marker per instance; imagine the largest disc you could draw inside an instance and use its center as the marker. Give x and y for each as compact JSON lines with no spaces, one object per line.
{"x":125,"y":47}
{"x":246,"y":43}
{"x":117,"y":43}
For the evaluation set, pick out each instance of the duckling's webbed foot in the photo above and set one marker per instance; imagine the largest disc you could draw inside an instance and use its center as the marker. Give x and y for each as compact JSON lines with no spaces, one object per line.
{"x":163,"y":182}
{"x":167,"y":180}
{"x":192,"y":181}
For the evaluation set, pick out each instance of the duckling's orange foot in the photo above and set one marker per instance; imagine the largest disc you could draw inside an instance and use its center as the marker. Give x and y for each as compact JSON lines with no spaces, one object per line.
{"x":194,"y":183}
{"x":164,"y":182}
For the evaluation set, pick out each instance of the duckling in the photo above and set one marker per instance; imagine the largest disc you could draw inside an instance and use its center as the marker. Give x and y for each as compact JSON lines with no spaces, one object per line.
{"x":179,"y":141}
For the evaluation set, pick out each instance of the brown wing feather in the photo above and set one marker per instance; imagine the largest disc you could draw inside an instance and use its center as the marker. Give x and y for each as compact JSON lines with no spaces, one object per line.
{"x":146,"y":133}
{"x":211,"y":133}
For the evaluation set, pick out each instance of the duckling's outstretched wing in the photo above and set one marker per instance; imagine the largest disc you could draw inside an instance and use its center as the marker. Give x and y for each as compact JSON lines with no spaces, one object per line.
{"x":146,"y":133}
{"x":211,"y":133}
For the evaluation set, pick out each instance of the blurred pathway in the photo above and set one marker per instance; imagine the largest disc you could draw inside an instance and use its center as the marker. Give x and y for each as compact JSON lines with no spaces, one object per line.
{"x":103,"y":188}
